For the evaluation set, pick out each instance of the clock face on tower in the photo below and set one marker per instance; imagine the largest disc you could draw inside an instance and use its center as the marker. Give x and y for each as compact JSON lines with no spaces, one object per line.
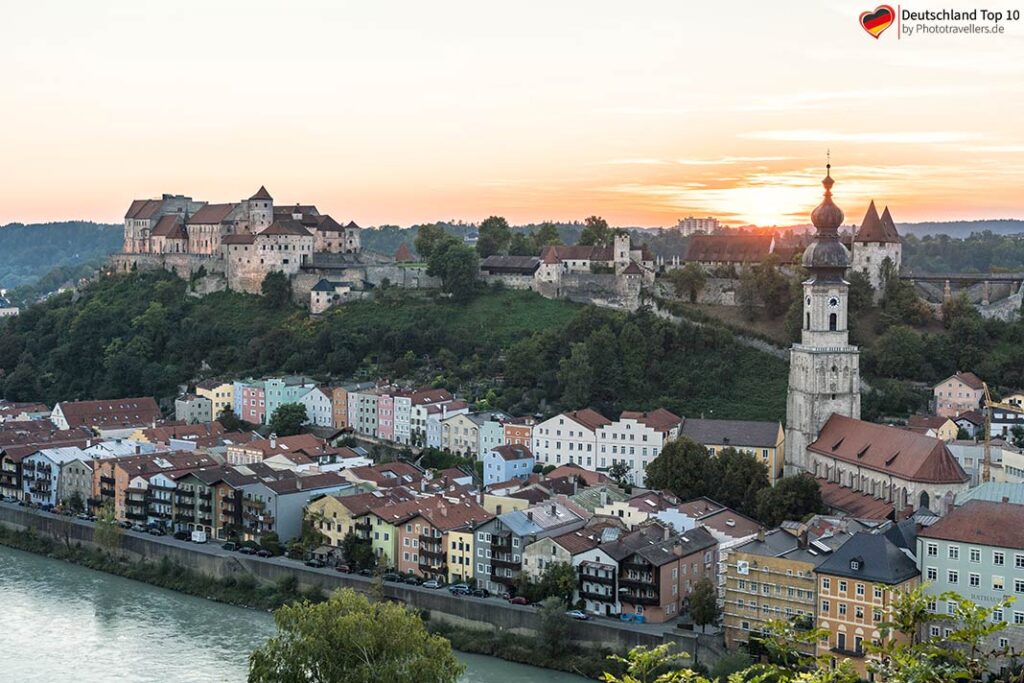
{"x":833,"y":303}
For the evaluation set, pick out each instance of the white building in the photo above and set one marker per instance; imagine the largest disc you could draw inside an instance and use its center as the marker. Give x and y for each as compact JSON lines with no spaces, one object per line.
{"x":692,"y":226}
{"x":634,"y":439}
{"x":875,"y":242}
{"x":40,"y":473}
{"x":568,"y":438}
{"x":319,"y":408}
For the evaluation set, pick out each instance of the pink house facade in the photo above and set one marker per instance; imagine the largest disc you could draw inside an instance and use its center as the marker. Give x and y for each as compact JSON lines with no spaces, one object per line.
{"x":386,"y":416}
{"x":254,"y":405}
{"x":961,"y":393}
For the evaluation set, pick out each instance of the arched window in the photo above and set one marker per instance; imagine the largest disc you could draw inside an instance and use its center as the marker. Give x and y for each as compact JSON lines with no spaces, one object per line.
{"x":833,"y":322}
{"x":924,"y":500}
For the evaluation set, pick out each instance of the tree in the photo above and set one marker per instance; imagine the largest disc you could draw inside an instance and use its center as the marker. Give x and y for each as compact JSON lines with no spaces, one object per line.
{"x":747,"y":295}
{"x":358,"y":552}
{"x":619,"y":472}
{"x":688,"y":281}
{"x":861,"y":293}
{"x":288,"y":419}
{"x":427,"y":239}
{"x":596,"y":233}
{"x":554,"y":626}
{"x":495,"y":236}
{"x":792,"y":498}
{"x":520,"y":245}
{"x":75,"y":502}
{"x":681,"y":468}
{"x":455,"y":264}
{"x":276,"y":290}
{"x":559,"y":580}
{"x":107,"y":533}
{"x":272,"y":542}
{"x":348,"y":639}
{"x":544,"y":236}
{"x":704,"y":603}
{"x":735,"y":478}
{"x":1017,"y":436}
{"x":229,"y":420}
{"x":576,"y":376}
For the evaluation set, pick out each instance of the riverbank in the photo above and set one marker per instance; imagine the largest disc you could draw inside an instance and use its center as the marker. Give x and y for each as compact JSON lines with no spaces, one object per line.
{"x":244,"y":591}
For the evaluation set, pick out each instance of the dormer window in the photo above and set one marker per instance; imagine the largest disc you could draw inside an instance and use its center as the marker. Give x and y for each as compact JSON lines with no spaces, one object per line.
{"x":855,"y":564}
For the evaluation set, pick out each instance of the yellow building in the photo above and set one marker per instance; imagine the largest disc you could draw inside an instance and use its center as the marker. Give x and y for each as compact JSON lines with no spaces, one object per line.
{"x":221,"y":394}
{"x":499,"y":505}
{"x":772,"y":578}
{"x":766,"y":441}
{"x":460,"y":556}
{"x":934,"y":425}
{"x":856,"y":586}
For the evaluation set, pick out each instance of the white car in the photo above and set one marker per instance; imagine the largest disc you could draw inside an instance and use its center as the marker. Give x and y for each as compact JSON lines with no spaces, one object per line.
{"x":433,"y":583}
{"x":578,"y":615}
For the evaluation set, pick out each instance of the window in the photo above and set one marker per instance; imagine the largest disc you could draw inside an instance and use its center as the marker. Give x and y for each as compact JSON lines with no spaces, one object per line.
{"x":997,"y":616}
{"x":997,"y":583}
{"x":842,"y":586}
{"x":860,"y":589}
{"x":842,"y":609}
{"x":932,"y":573}
{"x":933,"y":550}
{"x":952,"y":576}
{"x":998,"y":558}
{"x":825,"y":606}
{"x":1018,"y":561}
{"x":1018,"y":586}
{"x":1018,"y":617}
{"x":974,"y":580}
{"x":826,"y":583}
{"x":954,"y":552}
{"x":878,"y":593}
{"x":975,"y":555}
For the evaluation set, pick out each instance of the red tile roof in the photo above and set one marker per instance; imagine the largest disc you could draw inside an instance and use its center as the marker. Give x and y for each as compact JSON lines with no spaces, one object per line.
{"x":875,"y":229}
{"x":589,"y":418}
{"x":120,"y":412}
{"x":511,"y":452}
{"x":854,"y":503}
{"x":286,"y":227}
{"x":729,"y":248}
{"x":660,"y":420}
{"x":211,"y":214}
{"x":632,"y":269}
{"x":578,"y":252}
{"x":968,"y":378}
{"x":982,"y":522}
{"x":170,"y":227}
{"x":243,"y":238}
{"x":901,"y":453}
{"x":143,"y":208}
{"x":261,"y":194}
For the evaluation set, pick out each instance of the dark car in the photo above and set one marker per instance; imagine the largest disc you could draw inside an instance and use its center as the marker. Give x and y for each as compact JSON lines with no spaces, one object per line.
{"x":365,"y":572}
{"x":181,"y":535}
{"x":263,"y":552}
{"x":518,"y":600}
{"x":125,"y":525}
{"x":343,"y":568}
{"x":247,"y":550}
{"x":392,"y":576}
{"x":481,"y":593}
{"x":230,"y":545}
{"x":315,"y":563}
{"x":459,"y":590}
{"x":156,"y":531}
{"x":412,"y":580}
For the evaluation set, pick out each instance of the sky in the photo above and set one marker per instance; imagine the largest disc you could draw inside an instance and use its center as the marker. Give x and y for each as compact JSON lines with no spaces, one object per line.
{"x":406,"y":112}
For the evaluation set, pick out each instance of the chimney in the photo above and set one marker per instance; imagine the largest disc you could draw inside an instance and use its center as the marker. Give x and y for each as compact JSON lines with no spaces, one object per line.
{"x":138,"y":448}
{"x":604,"y":497}
{"x":760,"y":535}
{"x":1006,"y":499}
{"x":273,"y":440}
{"x":529,"y":515}
{"x":444,"y":510}
{"x":802,"y":538}
{"x":665,"y":533}
{"x":677,"y":549}
{"x":554,"y":509}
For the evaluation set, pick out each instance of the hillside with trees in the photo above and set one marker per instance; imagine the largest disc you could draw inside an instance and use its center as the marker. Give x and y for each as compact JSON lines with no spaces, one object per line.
{"x":28,"y":252}
{"x":141,"y":334}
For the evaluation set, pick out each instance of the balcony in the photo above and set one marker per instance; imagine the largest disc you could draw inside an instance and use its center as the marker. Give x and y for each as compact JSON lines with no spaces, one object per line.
{"x":638,"y":599}
{"x":184,"y":516}
{"x":109,"y":481}
{"x":593,"y":578}
{"x":137,"y":516}
{"x":636,"y":582}
{"x":185,"y":493}
{"x":639,"y":567}
{"x":500,"y":543}
{"x":506,"y":564}
{"x":600,"y":597}
{"x":206,"y":508}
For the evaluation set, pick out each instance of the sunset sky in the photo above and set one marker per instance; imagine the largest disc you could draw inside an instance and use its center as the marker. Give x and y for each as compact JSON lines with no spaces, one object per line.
{"x":406,"y":112}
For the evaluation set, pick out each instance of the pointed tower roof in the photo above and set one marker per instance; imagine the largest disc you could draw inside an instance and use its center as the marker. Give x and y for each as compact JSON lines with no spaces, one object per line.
{"x":402,"y":254}
{"x":262,"y":194}
{"x":891,"y":234}
{"x":871,"y":229}
{"x":826,"y":257}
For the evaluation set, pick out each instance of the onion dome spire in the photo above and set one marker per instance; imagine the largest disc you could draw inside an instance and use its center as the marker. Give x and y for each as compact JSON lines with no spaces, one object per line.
{"x":826,"y":257}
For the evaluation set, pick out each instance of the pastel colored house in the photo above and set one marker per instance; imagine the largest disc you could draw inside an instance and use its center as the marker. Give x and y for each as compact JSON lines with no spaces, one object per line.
{"x":254,"y":404}
{"x":40,"y":473}
{"x":635,"y":439}
{"x":766,"y":441}
{"x":319,"y":407}
{"x":568,"y":438}
{"x":221,"y":395}
{"x":936,"y":426}
{"x":423,"y":537}
{"x":280,"y":391}
{"x":958,"y":393}
{"x":502,"y":463}
{"x":193,"y":409}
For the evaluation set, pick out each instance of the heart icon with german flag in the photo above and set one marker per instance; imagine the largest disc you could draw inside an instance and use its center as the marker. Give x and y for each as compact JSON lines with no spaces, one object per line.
{"x":877,"y":20}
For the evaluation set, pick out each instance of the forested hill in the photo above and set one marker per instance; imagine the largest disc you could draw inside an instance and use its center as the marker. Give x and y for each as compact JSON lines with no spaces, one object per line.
{"x":28,"y":252}
{"x":141,"y":334}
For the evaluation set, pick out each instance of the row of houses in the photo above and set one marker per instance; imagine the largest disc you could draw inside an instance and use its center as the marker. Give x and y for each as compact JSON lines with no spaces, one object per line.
{"x":841,"y":575}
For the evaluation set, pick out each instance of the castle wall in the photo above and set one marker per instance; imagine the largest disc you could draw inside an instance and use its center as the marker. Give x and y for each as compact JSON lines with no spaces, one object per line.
{"x":605,"y":289}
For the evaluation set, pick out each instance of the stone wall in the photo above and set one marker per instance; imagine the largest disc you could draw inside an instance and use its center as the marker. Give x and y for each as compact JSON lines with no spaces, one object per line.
{"x":438,"y":605}
{"x":606,"y":289}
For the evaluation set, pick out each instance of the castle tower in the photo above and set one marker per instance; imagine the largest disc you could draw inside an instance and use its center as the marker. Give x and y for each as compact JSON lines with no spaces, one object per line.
{"x":824,"y":369}
{"x":875,"y":241}
{"x":261,"y":210}
{"x":620,"y":251}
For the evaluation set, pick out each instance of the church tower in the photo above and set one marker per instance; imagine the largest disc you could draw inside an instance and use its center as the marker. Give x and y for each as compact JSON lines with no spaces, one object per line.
{"x":824,"y":369}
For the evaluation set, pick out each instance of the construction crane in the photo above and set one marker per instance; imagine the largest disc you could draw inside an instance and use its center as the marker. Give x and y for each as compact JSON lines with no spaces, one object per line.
{"x":986,"y":470}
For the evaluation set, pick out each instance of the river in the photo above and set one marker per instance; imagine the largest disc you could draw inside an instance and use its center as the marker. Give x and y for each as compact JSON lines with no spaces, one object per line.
{"x":62,"y":622}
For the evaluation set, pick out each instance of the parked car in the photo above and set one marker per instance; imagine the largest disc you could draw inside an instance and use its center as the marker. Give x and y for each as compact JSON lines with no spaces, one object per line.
{"x":458,"y":587}
{"x":459,"y":591}
{"x":365,"y":572}
{"x":315,"y":563}
{"x":181,"y":535}
{"x":412,"y":580}
{"x":230,"y":545}
{"x":518,"y":600}
{"x":393,"y":576}
{"x":343,"y":568}
{"x":199,"y":536}
{"x":125,"y":525}
{"x":141,"y":528}
{"x":578,"y":615}
{"x":263,"y":552}
{"x":433,"y":583}
{"x":481,"y":593}
{"x":82,"y":515}
{"x":247,"y":550}
{"x":156,"y":531}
